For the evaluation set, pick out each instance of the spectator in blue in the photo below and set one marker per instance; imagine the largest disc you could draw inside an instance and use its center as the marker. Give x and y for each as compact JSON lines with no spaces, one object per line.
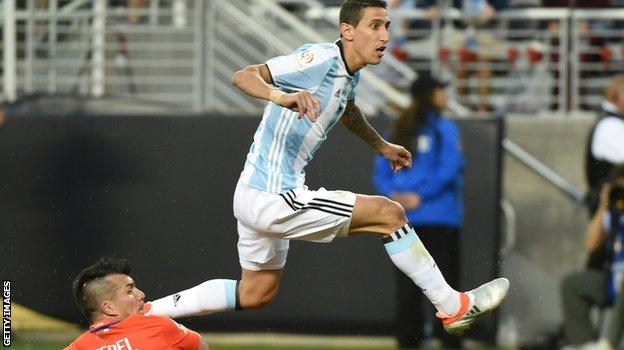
{"x":431,"y":193}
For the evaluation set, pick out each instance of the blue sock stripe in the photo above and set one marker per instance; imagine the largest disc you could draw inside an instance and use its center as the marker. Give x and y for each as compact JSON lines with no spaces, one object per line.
{"x":230,"y":294}
{"x":402,"y":243}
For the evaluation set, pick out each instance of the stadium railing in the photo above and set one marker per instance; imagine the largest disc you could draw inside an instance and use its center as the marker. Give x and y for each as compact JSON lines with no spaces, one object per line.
{"x":520,"y":50}
{"x":185,"y":52}
{"x":90,"y":48}
{"x":539,"y":59}
{"x":597,"y":54}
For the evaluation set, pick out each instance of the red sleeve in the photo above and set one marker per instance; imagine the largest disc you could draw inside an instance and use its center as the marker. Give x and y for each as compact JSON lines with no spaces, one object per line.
{"x":180,"y":337}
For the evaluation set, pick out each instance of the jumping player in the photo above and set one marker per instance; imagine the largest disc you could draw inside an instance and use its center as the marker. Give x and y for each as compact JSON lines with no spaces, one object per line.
{"x":309,"y":91}
{"x":107,"y":296}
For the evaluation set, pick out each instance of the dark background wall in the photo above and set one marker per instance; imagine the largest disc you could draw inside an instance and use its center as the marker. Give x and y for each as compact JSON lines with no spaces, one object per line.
{"x":157,"y":190}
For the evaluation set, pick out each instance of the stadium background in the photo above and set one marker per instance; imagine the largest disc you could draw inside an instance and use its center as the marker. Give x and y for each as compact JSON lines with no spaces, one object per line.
{"x":123,"y":136}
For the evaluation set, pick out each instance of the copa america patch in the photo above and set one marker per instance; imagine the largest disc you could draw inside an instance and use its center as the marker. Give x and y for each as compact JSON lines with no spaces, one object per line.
{"x":305,"y":58}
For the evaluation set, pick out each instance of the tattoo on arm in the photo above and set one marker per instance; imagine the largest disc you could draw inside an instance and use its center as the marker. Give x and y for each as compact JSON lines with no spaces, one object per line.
{"x":355,"y":121}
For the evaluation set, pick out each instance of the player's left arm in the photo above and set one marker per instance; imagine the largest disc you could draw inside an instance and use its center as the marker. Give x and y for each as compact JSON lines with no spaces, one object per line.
{"x":355,"y":121}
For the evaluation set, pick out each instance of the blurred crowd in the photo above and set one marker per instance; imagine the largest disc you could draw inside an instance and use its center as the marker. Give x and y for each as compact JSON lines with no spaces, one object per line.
{"x":488,"y":58}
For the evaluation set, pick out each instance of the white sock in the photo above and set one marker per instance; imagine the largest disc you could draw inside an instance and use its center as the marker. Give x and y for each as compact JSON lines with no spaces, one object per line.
{"x":410,"y":256}
{"x":206,"y":298}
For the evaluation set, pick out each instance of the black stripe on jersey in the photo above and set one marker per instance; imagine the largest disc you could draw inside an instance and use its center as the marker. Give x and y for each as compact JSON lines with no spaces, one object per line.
{"x":333,"y":202}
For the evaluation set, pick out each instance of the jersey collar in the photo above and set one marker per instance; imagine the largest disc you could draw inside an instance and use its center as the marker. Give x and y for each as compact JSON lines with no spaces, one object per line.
{"x":344,"y":60}
{"x":103,"y":324}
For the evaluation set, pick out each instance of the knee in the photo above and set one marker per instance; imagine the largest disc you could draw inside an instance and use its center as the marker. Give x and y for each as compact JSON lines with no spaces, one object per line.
{"x":393,"y":214}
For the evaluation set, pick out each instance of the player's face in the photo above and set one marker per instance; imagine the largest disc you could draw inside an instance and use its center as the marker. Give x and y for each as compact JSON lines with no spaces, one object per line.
{"x":439,"y":99}
{"x":128,"y":298}
{"x":370,"y":36}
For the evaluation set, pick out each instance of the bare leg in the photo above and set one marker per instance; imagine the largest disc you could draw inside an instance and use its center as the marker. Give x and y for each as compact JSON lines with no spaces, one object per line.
{"x":258,"y":288}
{"x":382,"y":216}
{"x":376,"y":214}
{"x":379,"y":215}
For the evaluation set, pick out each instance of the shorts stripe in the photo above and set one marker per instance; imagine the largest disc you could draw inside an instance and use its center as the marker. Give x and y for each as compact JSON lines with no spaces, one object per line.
{"x":287,"y":202}
{"x":317,"y":205}
{"x":315,"y":202}
{"x":320,"y":205}
{"x":332,"y":202}
{"x":327,"y":211}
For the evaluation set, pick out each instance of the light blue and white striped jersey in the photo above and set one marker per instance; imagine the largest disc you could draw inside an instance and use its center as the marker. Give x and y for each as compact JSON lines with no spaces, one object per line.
{"x":284,"y":144}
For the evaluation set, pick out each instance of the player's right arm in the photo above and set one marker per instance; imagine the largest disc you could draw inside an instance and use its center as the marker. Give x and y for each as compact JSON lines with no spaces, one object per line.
{"x":355,"y":121}
{"x":256,"y":81}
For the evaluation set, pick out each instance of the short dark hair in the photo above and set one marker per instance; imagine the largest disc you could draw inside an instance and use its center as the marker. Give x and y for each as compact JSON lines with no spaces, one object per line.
{"x":351,"y":10}
{"x":89,"y":286}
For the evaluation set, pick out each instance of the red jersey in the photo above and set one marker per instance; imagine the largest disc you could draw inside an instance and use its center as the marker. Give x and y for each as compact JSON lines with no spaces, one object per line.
{"x":137,"y":332}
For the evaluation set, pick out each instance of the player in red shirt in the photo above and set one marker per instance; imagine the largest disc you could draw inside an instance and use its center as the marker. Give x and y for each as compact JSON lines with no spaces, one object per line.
{"x":107,"y":296}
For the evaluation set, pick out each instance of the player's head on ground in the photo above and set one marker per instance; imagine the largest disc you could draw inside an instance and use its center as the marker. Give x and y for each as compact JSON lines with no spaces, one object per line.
{"x":105,"y":290}
{"x":614,"y":92}
{"x":364,"y":32}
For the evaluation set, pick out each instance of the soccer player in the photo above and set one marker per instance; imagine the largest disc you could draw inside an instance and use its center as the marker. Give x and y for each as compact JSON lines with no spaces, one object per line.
{"x":309,"y":91}
{"x":107,"y":296}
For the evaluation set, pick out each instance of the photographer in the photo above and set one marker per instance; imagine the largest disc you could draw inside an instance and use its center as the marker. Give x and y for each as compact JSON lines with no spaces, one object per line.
{"x":591,"y":287}
{"x":605,"y":144}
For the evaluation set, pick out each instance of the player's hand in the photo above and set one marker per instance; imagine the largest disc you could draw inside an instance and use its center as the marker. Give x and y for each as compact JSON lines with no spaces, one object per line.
{"x":408,"y":200}
{"x":397,"y":155}
{"x":302,"y":102}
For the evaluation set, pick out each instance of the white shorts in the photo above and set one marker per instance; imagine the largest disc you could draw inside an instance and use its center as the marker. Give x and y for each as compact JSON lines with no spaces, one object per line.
{"x":267,"y":221}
